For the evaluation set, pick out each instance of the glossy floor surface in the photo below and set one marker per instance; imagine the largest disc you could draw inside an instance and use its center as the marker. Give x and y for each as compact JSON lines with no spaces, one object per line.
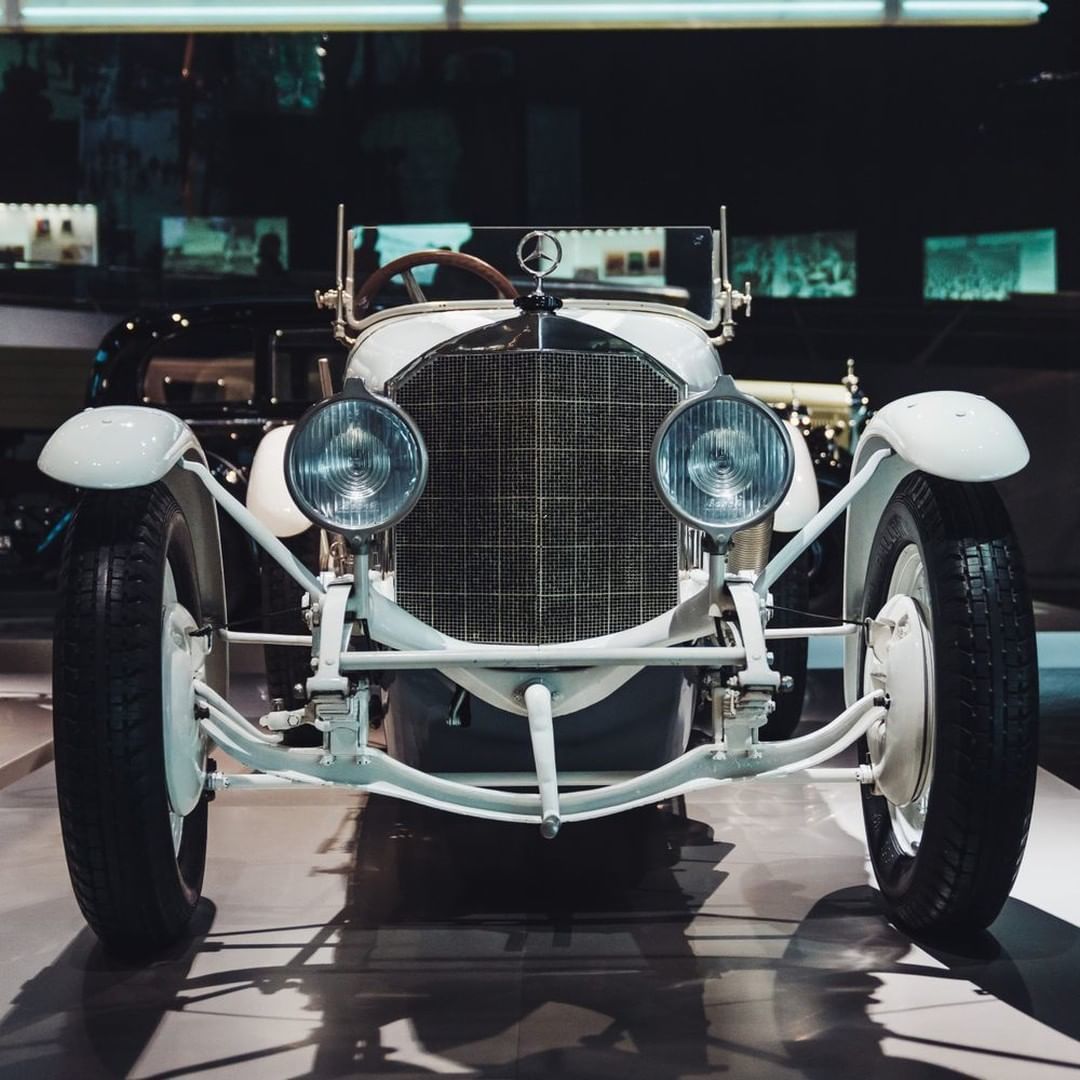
{"x":341,"y":937}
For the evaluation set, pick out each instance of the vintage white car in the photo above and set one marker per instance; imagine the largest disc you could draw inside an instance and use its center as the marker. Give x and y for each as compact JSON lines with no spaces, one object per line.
{"x":548,"y":592}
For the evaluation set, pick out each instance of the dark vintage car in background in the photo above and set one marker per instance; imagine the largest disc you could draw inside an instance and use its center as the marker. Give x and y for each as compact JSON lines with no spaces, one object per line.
{"x":831,"y":417}
{"x":232,"y":371}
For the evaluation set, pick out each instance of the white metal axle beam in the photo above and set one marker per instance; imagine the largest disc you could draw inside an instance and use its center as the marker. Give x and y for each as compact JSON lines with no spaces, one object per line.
{"x":525,"y":656}
{"x":705,"y":766}
{"x":248,"y":637}
{"x":304,"y":641}
{"x":276,"y":782}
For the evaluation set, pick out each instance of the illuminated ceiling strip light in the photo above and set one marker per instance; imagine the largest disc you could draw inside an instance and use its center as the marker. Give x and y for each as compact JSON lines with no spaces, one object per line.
{"x":254,"y":13}
{"x":627,"y":11}
{"x":977,"y":9}
{"x":536,"y":12}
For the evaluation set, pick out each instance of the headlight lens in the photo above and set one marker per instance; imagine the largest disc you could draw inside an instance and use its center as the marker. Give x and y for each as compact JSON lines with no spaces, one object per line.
{"x":356,"y":464}
{"x":722,"y":462}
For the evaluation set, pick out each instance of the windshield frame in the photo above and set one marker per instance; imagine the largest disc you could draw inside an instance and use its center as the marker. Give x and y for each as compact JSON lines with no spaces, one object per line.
{"x":357,"y":322}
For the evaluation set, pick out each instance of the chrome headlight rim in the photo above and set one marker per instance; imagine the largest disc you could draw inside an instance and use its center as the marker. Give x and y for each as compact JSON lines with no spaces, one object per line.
{"x":355,"y":389}
{"x":723,"y":388}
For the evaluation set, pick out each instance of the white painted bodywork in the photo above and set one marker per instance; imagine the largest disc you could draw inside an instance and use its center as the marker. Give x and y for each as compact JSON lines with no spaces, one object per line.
{"x":946,"y":433}
{"x":117,"y":446}
{"x":126,"y":446}
{"x":802,"y":500}
{"x":394,"y":340}
{"x":268,"y":495}
{"x":951,"y":434}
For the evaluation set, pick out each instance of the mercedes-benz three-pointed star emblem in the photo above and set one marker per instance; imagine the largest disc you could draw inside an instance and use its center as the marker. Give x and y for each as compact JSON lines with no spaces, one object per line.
{"x":539,"y":254}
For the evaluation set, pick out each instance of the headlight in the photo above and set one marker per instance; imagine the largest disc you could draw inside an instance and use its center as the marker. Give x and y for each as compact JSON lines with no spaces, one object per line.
{"x":722,"y":461}
{"x":356,"y":463}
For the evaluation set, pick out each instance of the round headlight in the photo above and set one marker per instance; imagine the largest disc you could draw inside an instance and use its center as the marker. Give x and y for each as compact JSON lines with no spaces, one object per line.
{"x":722,"y":461}
{"x":355,"y":463}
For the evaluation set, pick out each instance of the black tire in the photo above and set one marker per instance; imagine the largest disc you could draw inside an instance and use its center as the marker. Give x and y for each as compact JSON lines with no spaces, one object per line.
{"x":791,"y":592}
{"x":986,"y":706}
{"x":135,"y":891}
{"x":288,"y":667}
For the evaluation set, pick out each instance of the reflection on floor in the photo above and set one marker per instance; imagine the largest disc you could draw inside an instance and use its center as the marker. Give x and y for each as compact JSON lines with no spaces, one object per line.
{"x":738,"y":935}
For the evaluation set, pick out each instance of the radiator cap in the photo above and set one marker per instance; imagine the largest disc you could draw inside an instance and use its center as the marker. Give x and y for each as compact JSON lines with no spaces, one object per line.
{"x":538,"y":301}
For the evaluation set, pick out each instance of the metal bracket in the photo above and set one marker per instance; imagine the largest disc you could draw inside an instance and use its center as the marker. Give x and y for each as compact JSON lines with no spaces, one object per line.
{"x":282,"y":719}
{"x":331,"y":637}
{"x":749,"y":612}
{"x":737,"y":717}
{"x":345,"y":722}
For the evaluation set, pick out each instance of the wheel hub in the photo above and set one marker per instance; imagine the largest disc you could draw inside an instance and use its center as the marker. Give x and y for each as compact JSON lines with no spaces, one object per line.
{"x":899,"y":661}
{"x":181,"y":661}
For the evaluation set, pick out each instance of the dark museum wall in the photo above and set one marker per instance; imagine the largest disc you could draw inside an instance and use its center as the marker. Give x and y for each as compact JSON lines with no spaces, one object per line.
{"x":894,"y":134}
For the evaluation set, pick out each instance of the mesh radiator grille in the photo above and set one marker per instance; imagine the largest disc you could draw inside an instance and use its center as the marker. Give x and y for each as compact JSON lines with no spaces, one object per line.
{"x":539,"y":523}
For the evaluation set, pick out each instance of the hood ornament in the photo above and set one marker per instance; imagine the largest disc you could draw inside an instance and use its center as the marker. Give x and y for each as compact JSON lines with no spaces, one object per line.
{"x":539,"y":254}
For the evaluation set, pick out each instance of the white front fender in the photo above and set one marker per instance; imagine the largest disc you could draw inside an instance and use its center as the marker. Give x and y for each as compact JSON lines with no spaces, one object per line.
{"x":126,"y":446}
{"x":116,"y":446}
{"x":268,"y":495}
{"x":802,"y":501}
{"x":946,"y":433}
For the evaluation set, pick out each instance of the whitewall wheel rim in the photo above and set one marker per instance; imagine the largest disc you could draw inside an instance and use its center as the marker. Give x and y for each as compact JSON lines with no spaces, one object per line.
{"x":182,"y":661}
{"x":901,"y":661}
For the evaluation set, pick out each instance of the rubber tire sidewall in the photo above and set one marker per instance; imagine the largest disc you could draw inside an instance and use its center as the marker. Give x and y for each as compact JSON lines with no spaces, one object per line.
{"x":937,"y":890}
{"x":135,"y":891}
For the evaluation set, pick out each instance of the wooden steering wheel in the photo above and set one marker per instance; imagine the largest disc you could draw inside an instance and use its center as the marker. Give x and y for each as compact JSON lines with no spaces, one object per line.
{"x":404,"y":266}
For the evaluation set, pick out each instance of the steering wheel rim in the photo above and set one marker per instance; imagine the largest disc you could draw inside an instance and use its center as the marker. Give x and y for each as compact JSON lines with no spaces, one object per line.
{"x":404,"y":265}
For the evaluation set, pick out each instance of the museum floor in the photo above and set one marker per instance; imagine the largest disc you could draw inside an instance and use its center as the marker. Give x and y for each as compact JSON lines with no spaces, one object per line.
{"x":341,"y":937}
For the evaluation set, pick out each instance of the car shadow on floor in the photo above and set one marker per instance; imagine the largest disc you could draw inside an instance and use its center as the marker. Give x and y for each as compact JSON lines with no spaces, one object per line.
{"x":842,"y":951}
{"x":458,"y":951}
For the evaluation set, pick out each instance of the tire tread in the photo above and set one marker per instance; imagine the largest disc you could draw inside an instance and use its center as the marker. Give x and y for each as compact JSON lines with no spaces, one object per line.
{"x":985,"y":664}
{"x":109,"y":759}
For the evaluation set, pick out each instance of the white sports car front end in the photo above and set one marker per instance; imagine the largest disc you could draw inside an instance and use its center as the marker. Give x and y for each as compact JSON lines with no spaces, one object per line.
{"x":556,"y":536}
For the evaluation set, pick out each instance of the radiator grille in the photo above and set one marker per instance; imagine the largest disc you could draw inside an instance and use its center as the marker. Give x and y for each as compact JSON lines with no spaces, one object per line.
{"x":539,"y":523}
